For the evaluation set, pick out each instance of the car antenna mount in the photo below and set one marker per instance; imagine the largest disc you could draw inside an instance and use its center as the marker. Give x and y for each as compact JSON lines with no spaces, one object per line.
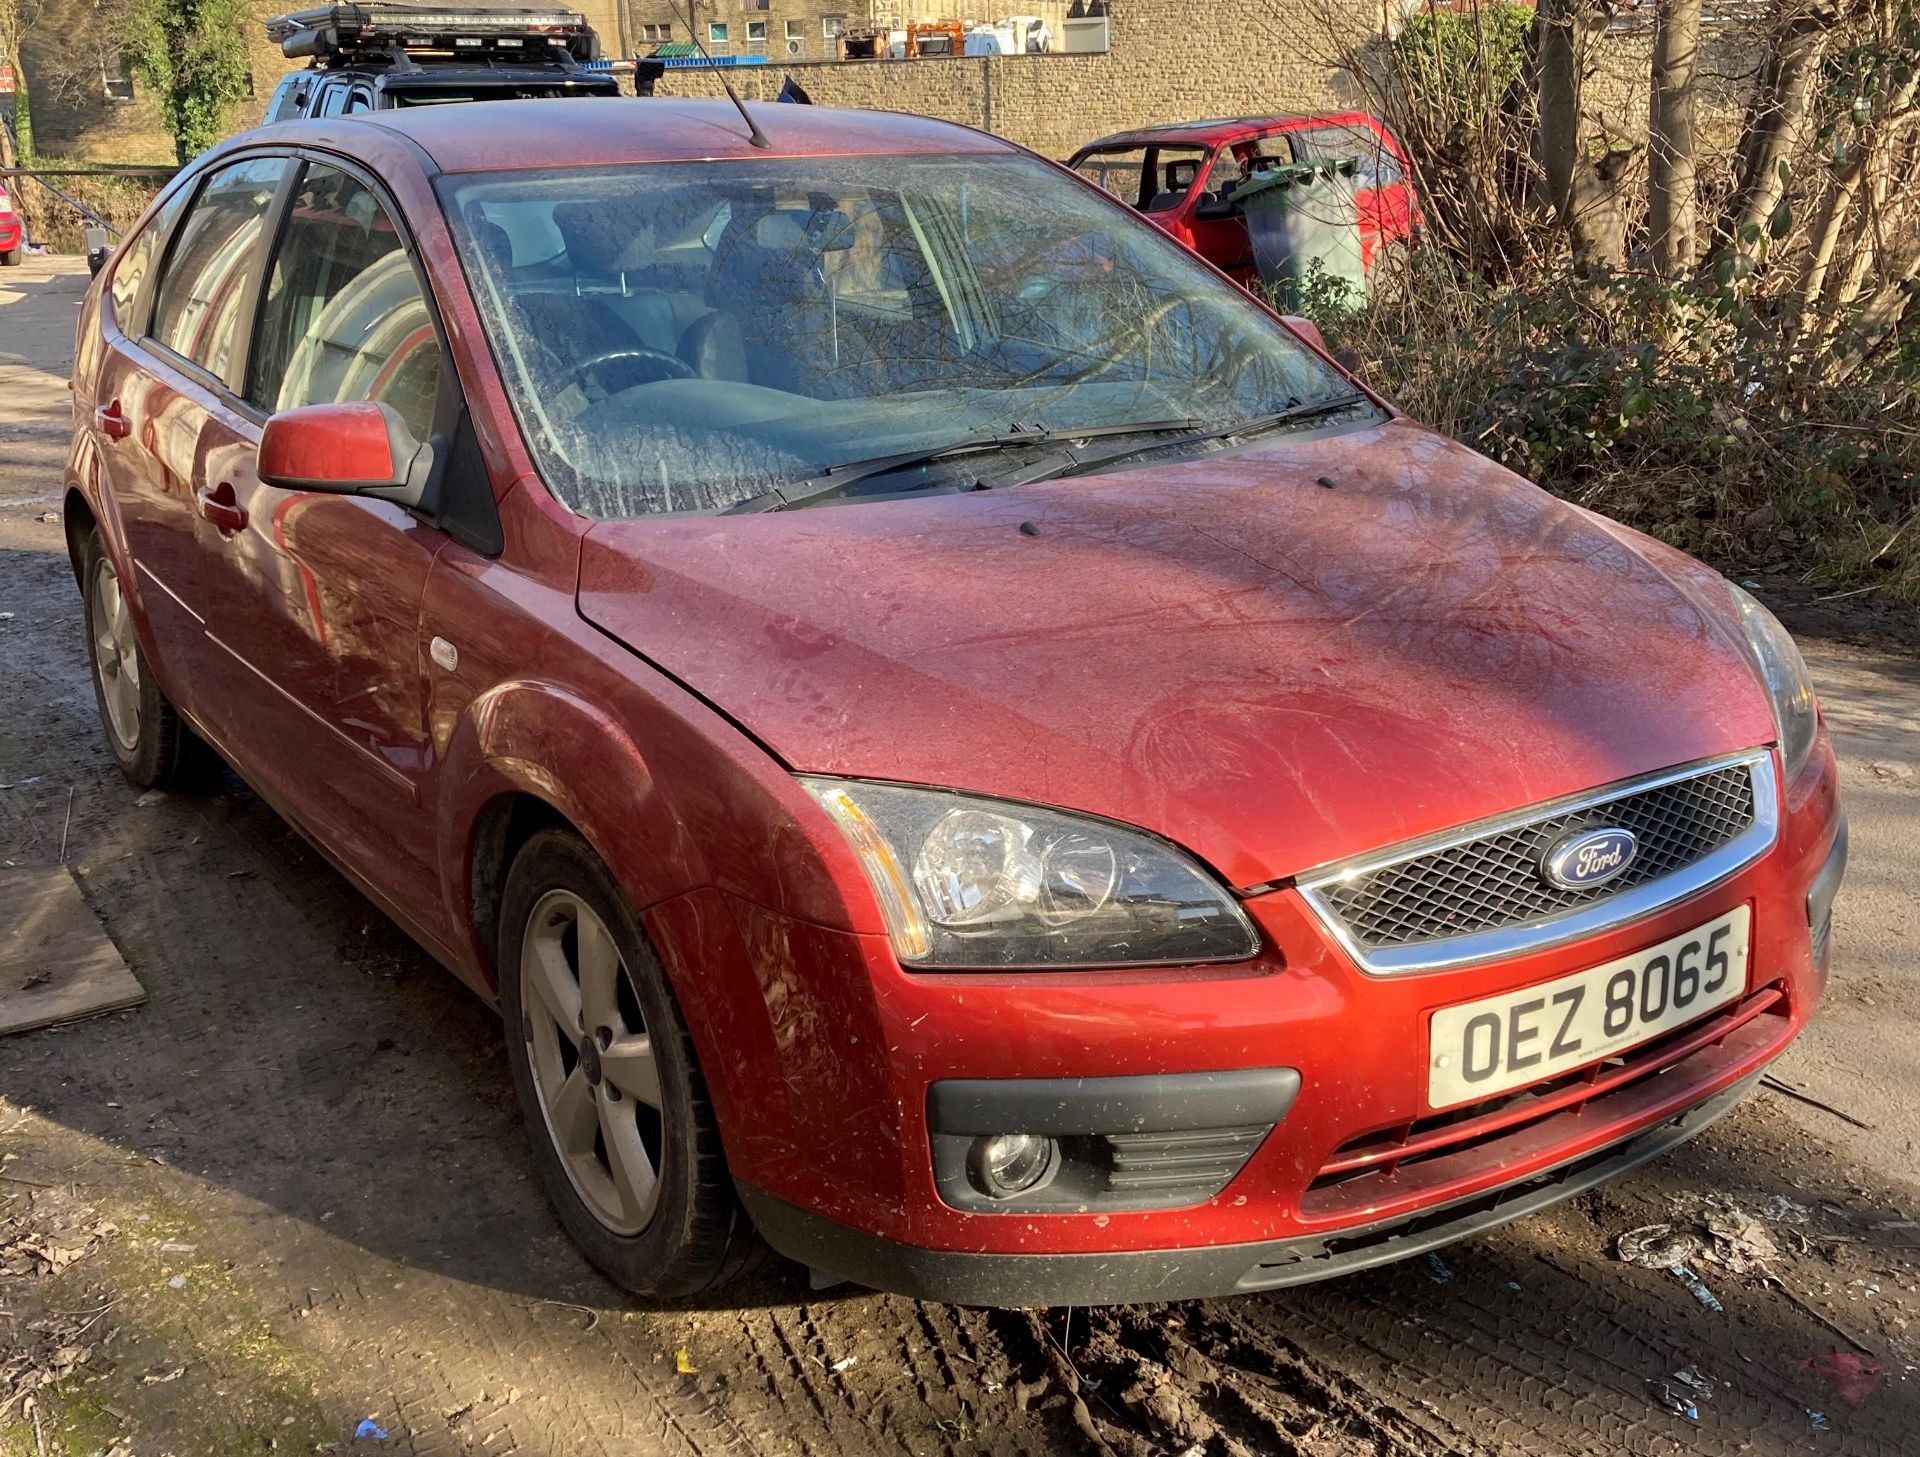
{"x":755,"y":136}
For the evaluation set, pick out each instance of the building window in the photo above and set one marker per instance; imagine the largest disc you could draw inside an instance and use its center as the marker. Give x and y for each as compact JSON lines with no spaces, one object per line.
{"x":116,"y":75}
{"x":657,"y":34}
{"x":759,"y":4}
{"x":832,"y":25}
{"x":756,"y":30}
{"x":716,"y":32}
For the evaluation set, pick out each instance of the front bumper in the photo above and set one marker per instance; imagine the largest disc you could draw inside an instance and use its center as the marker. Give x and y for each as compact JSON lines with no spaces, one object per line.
{"x":833,"y":1119}
{"x":1127,"y":1276}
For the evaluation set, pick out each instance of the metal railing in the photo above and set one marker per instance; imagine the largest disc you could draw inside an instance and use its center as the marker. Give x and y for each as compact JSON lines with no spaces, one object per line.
{"x":41,"y":174}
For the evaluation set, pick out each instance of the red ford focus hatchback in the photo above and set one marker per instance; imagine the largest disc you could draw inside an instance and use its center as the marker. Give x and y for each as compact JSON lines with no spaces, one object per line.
{"x":963,"y":748}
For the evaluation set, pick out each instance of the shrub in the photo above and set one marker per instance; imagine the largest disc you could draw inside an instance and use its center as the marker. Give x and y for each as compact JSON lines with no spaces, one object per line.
{"x":1462,"y":63}
{"x":1689,"y":413}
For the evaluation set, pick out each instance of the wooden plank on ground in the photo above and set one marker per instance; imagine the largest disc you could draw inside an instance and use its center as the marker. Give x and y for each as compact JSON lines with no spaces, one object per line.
{"x":56,"y":963}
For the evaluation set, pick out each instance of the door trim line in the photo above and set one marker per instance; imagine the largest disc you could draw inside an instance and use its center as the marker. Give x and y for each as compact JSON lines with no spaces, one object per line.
{"x":399,"y":780}
{"x":146,"y":571}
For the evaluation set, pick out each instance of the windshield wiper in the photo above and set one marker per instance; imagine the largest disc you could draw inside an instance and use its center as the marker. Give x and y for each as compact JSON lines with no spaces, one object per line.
{"x":1300,"y":414}
{"x":837,"y":479}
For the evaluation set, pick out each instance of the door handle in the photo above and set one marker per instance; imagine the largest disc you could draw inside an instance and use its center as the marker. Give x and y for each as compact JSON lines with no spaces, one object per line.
{"x":115,"y":425}
{"x":219,"y":507}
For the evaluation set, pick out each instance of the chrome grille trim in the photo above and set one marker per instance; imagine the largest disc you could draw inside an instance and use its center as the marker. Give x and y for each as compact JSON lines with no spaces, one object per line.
{"x":1605,"y":912}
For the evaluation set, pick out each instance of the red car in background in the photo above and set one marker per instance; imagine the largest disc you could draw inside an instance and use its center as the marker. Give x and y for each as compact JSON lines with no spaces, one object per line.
{"x":1182,"y":176}
{"x":13,"y":232}
{"x":960,"y":744}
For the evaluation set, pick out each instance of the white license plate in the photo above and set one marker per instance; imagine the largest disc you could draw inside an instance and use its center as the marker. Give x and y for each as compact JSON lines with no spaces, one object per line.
{"x":1478,"y":1049}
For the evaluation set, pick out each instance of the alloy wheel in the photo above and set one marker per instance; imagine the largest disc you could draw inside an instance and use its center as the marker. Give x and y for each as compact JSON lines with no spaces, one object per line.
{"x":593,"y":1062}
{"x":116,"y":660}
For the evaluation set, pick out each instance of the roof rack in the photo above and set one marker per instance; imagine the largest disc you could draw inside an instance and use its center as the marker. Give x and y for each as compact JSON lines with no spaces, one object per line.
{"x":332,"y":33}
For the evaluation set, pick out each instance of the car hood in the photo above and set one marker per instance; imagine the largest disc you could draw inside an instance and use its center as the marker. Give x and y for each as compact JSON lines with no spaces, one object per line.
{"x":1275,"y":657}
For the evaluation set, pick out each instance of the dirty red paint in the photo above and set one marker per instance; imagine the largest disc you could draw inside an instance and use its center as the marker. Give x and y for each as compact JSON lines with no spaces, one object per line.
{"x":1274,"y":658}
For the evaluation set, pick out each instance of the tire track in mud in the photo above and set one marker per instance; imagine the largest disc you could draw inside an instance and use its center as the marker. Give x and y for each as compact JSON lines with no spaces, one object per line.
{"x":1197,"y":1374}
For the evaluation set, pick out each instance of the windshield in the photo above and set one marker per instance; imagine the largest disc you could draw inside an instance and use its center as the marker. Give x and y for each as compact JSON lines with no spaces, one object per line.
{"x":690,"y":336}
{"x":441,"y":94}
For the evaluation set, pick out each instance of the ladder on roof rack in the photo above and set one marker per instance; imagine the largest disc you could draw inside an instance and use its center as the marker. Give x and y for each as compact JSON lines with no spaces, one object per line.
{"x":433,"y":32}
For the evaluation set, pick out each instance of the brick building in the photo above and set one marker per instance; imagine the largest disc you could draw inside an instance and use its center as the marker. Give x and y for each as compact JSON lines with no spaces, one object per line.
{"x":1167,"y":59}
{"x":799,"y":30}
{"x":86,"y":103}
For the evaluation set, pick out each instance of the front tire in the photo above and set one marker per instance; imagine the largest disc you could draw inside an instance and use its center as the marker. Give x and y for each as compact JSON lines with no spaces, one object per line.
{"x":152,"y":745}
{"x":616,"y":1111}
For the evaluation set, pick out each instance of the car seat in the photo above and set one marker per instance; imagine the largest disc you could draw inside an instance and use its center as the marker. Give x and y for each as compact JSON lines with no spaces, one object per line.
{"x":602,"y":312}
{"x":769,"y":324}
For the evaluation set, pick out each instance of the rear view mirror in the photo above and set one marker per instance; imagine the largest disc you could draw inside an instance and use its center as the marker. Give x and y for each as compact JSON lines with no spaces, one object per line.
{"x":821,"y":230}
{"x":1306,"y":329}
{"x":358,"y":449}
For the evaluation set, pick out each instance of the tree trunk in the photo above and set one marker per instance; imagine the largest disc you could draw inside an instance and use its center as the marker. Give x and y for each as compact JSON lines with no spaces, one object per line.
{"x":1558,"y":71}
{"x":1835,"y":203}
{"x":1822,"y":299}
{"x":1783,"y":99}
{"x":1879,"y":317}
{"x":1671,"y":145}
{"x":1586,"y":198}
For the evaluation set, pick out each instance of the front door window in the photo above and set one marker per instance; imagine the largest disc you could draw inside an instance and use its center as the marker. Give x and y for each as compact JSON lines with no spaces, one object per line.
{"x":344,"y":318}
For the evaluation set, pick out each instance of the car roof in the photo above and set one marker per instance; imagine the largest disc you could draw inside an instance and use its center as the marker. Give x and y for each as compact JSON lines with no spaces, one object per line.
{"x":1222,"y":129}
{"x":603,"y":131}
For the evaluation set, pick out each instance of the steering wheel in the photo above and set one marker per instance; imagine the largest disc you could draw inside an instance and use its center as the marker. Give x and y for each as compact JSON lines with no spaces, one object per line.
{"x":634,"y":364}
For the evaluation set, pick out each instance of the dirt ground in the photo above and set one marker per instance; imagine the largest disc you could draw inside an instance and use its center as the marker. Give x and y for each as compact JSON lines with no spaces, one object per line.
{"x":287,"y":1200}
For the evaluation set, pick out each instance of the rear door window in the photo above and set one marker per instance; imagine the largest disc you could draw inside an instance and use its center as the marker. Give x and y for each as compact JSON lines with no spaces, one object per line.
{"x":1373,"y":164}
{"x":343,"y":317}
{"x":203,"y":290}
{"x":1170,"y":175}
{"x":134,"y":271}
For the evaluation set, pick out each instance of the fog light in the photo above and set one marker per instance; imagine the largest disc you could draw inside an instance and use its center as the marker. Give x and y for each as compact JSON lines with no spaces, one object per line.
{"x":1004,"y":1164}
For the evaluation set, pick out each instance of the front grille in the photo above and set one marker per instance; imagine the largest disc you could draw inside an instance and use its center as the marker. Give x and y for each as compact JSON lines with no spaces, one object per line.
{"x":1822,"y":938}
{"x":1494,"y":881}
{"x":1197,"y":1163}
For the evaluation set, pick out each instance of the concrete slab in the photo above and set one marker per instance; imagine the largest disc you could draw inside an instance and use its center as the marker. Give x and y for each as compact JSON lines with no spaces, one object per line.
{"x":56,"y":963}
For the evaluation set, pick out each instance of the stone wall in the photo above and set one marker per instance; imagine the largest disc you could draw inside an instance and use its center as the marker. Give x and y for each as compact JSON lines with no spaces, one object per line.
{"x":1165,"y":62}
{"x":1621,"y":74}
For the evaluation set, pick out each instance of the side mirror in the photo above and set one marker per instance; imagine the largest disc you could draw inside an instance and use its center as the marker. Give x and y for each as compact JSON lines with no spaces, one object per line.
{"x":1306,"y":329}
{"x":359,"y":449}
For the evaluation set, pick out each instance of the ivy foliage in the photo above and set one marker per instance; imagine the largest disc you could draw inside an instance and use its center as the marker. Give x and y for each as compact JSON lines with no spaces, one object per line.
{"x":193,"y":53}
{"x":1465,"y":60}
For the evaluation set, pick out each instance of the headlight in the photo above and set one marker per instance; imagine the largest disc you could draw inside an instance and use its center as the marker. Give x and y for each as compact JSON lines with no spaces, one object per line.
{"x":964,"y":881}
{"x":1796,"y":712}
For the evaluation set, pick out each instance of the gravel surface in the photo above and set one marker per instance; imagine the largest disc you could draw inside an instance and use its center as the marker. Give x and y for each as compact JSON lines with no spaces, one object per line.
{"x":287,"y":1201}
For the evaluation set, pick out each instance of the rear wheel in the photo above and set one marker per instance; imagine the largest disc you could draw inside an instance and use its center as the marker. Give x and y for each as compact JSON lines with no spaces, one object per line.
{"x":11,"y":257}
{"x":150,"y":743}
{"x":622,"y":1131}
